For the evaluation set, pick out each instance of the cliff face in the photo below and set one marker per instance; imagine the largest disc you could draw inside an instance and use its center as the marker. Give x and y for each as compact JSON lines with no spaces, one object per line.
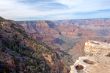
{"x":96,"y":59}
{"x":19,"y":53}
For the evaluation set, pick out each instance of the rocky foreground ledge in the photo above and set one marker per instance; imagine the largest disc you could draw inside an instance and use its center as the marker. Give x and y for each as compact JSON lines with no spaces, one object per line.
{"x":96,"y":59}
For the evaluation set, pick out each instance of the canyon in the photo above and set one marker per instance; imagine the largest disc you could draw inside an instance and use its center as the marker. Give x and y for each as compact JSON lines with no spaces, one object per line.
{"x":68,"y":37}
{"x":45,"y":46}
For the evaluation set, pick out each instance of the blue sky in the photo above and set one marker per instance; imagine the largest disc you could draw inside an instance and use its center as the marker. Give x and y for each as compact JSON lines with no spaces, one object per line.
{"x":54,"y":9}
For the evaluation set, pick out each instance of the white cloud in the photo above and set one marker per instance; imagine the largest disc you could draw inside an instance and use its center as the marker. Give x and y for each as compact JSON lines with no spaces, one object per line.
{"x":14,"y":9}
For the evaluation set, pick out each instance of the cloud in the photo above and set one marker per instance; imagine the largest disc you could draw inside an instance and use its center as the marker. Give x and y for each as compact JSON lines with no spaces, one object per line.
{"x":54,"y":9}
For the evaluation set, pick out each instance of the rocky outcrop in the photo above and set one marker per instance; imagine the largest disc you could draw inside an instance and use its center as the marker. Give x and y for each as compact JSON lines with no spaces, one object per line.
{"x":96,"y":59}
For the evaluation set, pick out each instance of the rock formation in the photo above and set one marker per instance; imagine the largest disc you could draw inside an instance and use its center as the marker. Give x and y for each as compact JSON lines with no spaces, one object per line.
{"x":96,"y":59}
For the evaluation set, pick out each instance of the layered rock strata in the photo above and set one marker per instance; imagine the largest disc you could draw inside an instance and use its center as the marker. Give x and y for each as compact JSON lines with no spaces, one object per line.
{"x":96,"y":59}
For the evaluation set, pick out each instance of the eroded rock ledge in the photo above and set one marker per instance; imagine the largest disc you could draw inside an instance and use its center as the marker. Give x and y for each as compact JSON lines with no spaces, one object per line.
{"x":96,"y":59}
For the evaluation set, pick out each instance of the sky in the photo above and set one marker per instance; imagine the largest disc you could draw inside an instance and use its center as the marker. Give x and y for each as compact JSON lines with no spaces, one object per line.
{"x":54,"y":9}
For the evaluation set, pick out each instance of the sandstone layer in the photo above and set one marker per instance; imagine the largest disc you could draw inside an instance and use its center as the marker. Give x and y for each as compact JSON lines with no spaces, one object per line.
{"x":96,"y":59}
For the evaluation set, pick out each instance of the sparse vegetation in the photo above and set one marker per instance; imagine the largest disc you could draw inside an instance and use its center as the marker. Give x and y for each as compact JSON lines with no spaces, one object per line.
{"x":26,"y":53}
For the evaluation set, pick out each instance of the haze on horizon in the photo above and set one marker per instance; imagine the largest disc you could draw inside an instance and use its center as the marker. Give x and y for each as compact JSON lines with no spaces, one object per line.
{"x":54,"y":9}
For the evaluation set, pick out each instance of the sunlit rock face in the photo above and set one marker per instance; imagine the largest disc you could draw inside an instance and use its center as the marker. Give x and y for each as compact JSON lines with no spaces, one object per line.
{"x":95,"y":47}
{"x":96,"y":59}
